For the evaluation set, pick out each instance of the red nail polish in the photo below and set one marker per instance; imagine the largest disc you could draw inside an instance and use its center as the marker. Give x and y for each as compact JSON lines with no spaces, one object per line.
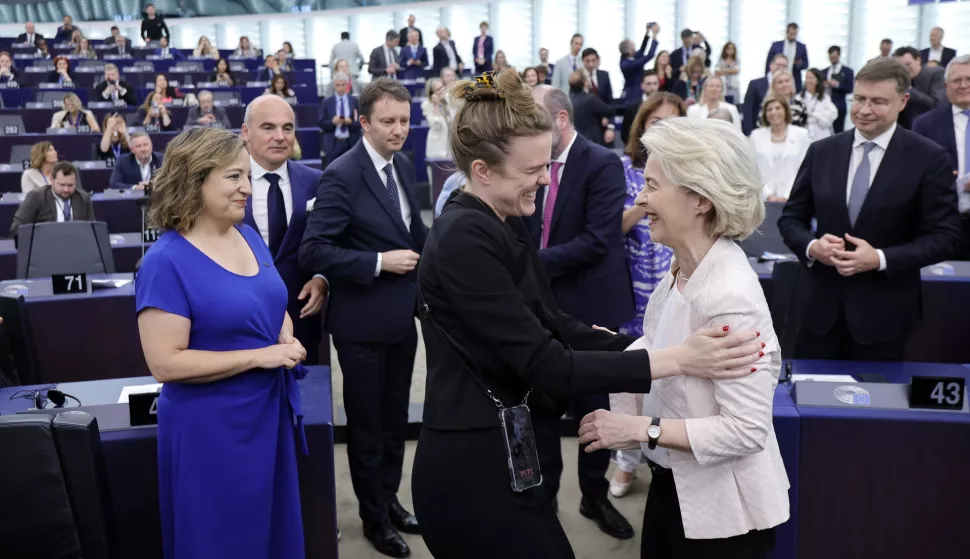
{"x":753,"y":369}
{"x":762,"y":344}
{"x":761,"y":354}
{"x":725,"y":328}
{"x":758,"y":333}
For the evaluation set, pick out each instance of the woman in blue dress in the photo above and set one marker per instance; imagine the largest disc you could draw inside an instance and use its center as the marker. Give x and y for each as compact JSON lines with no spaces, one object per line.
{"x":214,"y":329}
{"x":648,"y":261}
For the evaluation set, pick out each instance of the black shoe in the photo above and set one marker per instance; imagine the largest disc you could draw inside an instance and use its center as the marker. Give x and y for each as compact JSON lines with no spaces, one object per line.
{"x":386,"y":540}
{"x":402,"y":519}
{"x":609,"y":520}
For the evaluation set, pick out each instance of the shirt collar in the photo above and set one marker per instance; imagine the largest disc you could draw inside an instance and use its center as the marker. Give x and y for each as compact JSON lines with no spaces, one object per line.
{"x":565,"y":153}
{"x":837,"y":68}
{"x":956,"y":110}
{"x":257,"y":172}
{"x":882,"y":140}
{"x":376,"y":158}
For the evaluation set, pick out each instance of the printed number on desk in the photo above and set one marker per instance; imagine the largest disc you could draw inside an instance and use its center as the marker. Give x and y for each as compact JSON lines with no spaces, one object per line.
{"x":940,"y":393}
{"x":11,"y":130}
{"x":151,"y":235}
{"x":69,"y":283}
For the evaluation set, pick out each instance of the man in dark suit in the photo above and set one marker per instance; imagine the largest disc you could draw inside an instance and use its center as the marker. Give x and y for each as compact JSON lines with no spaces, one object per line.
{"x":122,"y":46}
{"x":134,"y":170}
{"x":577,"y":227}
{"x":840,"y":80}
{"x":591,"y":115}
{"x":383,"y":59}
{"x":864,"y":256}
{"x":941,"y":125}
{"x":207,"y":113}
{"x":483,"y":49}
{"x":61,"y":201}
{"x":928,"y":85}
{"x":445,"y":54}
{"x":756,"y":93}
{"x":29,"y":37}
{"x":407,"y":30}
{"x":691,"y":40}
{"x":649,"y":85}
{"x":269,"y":130}
{"x":413,"y":58}
{"x":794,"y":50}
{"x":365,"y":235}
{"x":110,"y":40}
{"x":65,"y":31}
{"x":937,"y":54}
{"x":271,"y":68}
{"x":165,"y":51}
{"x":632,"y":63}
{"x":113,"y":88}
{"x":599,"y":80}
{"x":338,"y":119}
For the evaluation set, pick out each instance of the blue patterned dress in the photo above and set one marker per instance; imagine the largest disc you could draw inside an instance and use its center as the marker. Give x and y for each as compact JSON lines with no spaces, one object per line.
{"x":648,"y":261}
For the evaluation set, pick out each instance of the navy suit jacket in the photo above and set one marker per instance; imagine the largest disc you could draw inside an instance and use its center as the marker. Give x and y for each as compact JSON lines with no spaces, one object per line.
{"x":175,"y":53}
{"x":127,"y":173}
{"x":948,"y":55}
{"x":352,"y":221}
{"x":303,"y":183}
{"x":846,"y":80}
{"x":586,"y":259}
{"x":937,"y":125}
{"x":489,"y":51}
{"x":910,"y":213}
{"x":751,"y":111}
{"x":632,"y":69}
{"x":800,"y":63}
{"x":328,"y":110}
{"x":604,"y":89}
{"x":440,"y":56}
{"x":412,"y":72}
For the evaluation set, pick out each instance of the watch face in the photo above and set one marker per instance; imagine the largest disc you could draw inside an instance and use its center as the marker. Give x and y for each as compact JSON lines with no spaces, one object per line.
{"x":654,"y":432}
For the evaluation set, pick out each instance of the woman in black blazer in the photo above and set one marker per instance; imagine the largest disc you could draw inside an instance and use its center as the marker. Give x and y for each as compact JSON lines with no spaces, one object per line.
{"x":495,"y":339}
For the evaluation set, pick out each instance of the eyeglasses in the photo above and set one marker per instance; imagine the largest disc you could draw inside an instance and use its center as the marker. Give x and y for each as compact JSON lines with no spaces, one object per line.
{"x":959,"y":81}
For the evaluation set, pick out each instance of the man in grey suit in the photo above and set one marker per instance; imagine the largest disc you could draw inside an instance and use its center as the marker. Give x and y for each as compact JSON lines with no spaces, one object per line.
{"x":61,"y":201}
{"x":207,"y":113}
{"x":568,"y":64}
{"x":929,"y":85}
{"x":347,"y":50}
{"x":383,"y":59}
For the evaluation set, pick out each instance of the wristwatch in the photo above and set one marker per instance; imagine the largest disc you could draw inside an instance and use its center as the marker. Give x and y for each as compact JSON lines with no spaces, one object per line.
{"x":653,"y":433}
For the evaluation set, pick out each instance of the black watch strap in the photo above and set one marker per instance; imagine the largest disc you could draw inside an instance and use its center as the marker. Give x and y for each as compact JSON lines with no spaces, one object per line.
{"x":652,"y":441}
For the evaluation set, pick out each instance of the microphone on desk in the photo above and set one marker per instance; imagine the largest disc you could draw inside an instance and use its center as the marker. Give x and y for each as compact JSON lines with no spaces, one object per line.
{"x":785,"y":375}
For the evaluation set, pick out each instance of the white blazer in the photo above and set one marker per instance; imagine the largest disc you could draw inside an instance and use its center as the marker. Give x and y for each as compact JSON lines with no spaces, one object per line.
{"x":700,"y":110}
{"x":821,"y":116}
{"x":733,"y":481}
{"x":438,"y":130}
{"x":778,"y":177}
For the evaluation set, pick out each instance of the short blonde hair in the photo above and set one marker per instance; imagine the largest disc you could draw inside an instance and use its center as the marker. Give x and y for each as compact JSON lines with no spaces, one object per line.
{"x":176,"y":200}
{"x":713,"y":159}
{"x":707,"y":81}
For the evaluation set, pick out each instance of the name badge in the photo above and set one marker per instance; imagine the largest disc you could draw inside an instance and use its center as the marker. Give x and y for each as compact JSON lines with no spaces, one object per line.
{"x":143,"y":408}
{"x":69,"y":283}
{"x":937,"y":393}
{"x":150,"y":235}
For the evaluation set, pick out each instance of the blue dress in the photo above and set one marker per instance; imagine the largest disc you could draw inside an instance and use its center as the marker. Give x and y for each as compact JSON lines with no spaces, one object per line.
{"x":227,"y":473}
{"x":648,"y":261}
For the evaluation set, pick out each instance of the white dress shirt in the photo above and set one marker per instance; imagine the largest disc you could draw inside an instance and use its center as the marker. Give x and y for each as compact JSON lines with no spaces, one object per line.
{"x":833,"y":70}
{"x":936,"y":54}
{"x":59,"y":202}
{"x":791,"y":49}
{"x":261,"y":196}
{"x":875,"y":159}
{"x":343,"y":110}
{"x":452,"y":61}
{"x":960,"y":132}
{"x":379,"y":164}
{"x":145,"y":168}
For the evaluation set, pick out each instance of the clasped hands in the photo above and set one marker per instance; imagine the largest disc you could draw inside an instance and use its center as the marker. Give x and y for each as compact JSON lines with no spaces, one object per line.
{"x":830,"y":250}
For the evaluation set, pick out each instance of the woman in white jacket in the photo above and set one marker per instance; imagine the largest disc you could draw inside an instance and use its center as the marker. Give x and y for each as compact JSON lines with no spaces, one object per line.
{"x":436,"y":112}
{"x":779,"y":147}
{"x":719,"y":485}
{"x":712,"y":100}
{"x":819,"y":108}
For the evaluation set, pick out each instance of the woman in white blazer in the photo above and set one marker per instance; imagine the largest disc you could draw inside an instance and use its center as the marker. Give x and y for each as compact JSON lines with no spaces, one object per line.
{"x":719,"y":486}
{"x":780,"y":147}
{"x":712,"y":99}
{"x":819,"y":108}
{"x":436,"y":113}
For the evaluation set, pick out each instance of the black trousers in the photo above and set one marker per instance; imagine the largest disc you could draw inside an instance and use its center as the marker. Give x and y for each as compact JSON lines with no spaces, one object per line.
{"x":965,"y":246}
{"x":377,"y":387}
{"x":309,"y":331}
{"x":340,"y":147}
{"x":663,"y":530}
{"x":839,"y":124}
{"x":591,"y":466}
{"x":838,"y":344}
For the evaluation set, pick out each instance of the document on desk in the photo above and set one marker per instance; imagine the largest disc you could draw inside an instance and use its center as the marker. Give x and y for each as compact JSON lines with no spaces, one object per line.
{"x":824,"y":378}
{"x":109,"y":283}
{"x":137,"y":389}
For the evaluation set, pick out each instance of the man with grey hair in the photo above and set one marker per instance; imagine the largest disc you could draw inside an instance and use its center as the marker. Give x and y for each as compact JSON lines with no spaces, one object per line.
{"x":207,"y":113}
{"x":949,"y":126}
{"x":884,"y":205}
{"x":134,"y":170}
{"x":113,"y":88}
{"x":383,"y":59}
{"x":577,"y":227}
{"x":445,"y":53}
{"x":338,"y":119}
{"x":936,"y":54}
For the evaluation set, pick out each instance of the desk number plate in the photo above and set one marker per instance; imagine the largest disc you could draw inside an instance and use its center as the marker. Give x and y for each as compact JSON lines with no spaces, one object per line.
{"x":143,"y":408}
{"x":69,"y":283}
{"x":937,"y":393}
{"x":151,"y":235}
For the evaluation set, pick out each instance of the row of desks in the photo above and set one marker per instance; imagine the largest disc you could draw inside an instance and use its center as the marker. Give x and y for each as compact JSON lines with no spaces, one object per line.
{"x":19,"y":97}
{"x":34,"y":78}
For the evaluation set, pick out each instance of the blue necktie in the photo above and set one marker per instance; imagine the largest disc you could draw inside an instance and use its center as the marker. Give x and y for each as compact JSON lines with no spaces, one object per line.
{"x":276,"y":209}
{"x":860,"y":184}
{"x":67,"y":209}
{"x":966,"y":144}
{"x":392,"y":189}
{"x":340,"y":112}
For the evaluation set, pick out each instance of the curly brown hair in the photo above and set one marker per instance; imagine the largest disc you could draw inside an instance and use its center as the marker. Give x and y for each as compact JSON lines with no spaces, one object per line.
{"x":38,"y":154}
{"x":635,"y":149}
{"x":176,"y":198}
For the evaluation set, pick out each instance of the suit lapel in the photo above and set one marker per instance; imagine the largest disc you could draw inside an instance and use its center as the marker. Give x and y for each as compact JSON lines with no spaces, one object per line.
{"x":840,"y":174}
{"x":571,"y":175}
{"x":951,"y":136}
{"x":380,"y":191}
{"x":248,"y":218}
{"x":893,"y":163}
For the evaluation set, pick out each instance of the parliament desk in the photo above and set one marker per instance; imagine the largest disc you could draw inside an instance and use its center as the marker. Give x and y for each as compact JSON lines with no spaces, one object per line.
{"x":126,"y":248}
{"x":117,"y":208}
{"x":940,"y":335}
{"x":131,"y":463}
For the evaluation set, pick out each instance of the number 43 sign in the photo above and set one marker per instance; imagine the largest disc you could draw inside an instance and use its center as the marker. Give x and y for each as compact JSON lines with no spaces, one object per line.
{"x":941,"y":393}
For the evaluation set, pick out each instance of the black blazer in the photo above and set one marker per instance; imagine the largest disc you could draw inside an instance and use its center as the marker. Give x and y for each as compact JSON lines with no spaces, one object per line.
{"x":677,"y":57}
{"x":948,"y":55}
{"x":128,"y":97}
{"x":753,"y":98}
{"x":589,"y":112}
{"x":22,"y":38}
{"x":441,"y":57}
{"x":404,"y":36}
{"x":378,"y":62}
{"x":127,"y":173}
{"x":604,"y":89}
{"x":39,"y":206}
{"x":586,"y":258}
{"x":351,"y":222}
{"x":484,"y":285}
{"x":937,"y":125}
{"x":910,"y":213}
